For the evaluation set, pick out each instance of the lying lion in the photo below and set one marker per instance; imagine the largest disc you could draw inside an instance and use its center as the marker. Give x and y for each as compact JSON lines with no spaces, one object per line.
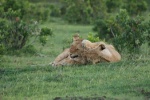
{"x":89,"y":55}
{"x":65,"y":59}
{"x":84,"y":52}
{"x":106,"y":51}
{"x":94,"y":52}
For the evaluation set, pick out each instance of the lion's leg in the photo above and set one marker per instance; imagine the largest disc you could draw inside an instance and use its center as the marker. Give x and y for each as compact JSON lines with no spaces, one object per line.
{"x":60,"y":57}
{"x":110,"y":54}
{"x":115,"y":55}
{"x":66,"y":61}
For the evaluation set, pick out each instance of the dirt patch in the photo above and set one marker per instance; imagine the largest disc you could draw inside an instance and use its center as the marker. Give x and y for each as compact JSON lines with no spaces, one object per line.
{"x":146,"y":94}
{"x":84,"y":98}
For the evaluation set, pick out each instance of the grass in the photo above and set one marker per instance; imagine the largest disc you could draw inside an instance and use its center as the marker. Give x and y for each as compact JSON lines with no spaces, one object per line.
{"x":31,"y":78}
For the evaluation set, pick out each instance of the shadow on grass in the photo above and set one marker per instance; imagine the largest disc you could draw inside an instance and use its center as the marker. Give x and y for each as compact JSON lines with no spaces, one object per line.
{"x":14,"y":71}
{"x":84,"y":98}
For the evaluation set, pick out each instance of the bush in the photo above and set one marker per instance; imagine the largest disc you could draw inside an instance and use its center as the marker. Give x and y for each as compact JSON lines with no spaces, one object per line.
{"x":16,"y":5}
{"x":2,"y":49}
{"x":30,"y":49}
{"x":93,"y":38}
{"x":55,"y":11}
{"x":15,"y":32}
{"x":135,"y":7}
{"x":101,"y":27}
{"x":124,"y":31}
{"x":113,"y":5}
{"x":27,"y":10}
{"x":38,"y":12}
{"x":83,"y":11}
{"x":43,"y":35}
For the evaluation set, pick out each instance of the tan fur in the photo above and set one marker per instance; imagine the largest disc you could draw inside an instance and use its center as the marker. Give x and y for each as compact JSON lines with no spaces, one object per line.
{"x":95,"y":52}
{"x":84,"y":52}
{"x":113,"y":57}
{"x":60,"y":58}
{"x":65,"y":59}
{"x":88,"y":56}
{"x":89,"y":45}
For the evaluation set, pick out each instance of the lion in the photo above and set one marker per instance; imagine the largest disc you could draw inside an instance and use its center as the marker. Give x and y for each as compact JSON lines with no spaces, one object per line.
{"x":88,"y":56}
{"x":83,"y":51}
{"x":65,"y":59}
{"x":109,"y":52}
{"x":94,"y":52}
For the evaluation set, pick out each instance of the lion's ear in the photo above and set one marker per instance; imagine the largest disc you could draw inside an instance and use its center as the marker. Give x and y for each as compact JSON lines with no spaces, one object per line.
{"x":75,"y":37}
{"x":102,"y":46}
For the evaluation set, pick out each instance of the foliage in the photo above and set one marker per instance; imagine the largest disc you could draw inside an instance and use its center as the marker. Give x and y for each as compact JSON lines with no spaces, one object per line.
{"x":29,"y":49}
{"x":148,"y":35}
{"x":27,"y":10}
{"x":16,"y":5}
{"x":135,"y":7}
{"x":43,"y":35}
{"x":74,"y":11}
{"x":92,"y":38}
{"x":38,"y":12}
{"x":2,"y":49}
{"x":15,"y":32}
{"x":113,"y":5}
{"x":124,"y":31}
{"x":83,"y":11}
{"x":87,"y":11}
{"x":55,"y":11}
{"x":100,"y":26}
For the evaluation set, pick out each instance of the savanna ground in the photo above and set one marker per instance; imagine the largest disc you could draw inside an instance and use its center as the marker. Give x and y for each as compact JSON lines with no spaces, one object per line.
{"x":29,"y":77}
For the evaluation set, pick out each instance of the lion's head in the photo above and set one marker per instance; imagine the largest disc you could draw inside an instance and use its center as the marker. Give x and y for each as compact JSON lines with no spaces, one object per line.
{"x":94,"y":51}
{"x":76,"y":47}
{"x":93,"y":55}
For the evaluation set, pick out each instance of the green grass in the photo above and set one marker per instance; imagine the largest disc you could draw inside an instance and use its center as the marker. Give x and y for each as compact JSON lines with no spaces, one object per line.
{"x":31,"y":78}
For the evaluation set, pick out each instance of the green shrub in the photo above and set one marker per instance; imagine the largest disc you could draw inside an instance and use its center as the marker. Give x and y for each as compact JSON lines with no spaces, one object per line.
{"x":55,"y":11}
{"x":83,"y":11}
{"x":125,"y":32}
{"x":30,"y":49}
{"x":135,"y":7}
{"x":77,"y":14}
{"x":2,"y":49}
{"x":16,"y":5}
{"x":38,"y":12}
{"x":113,"y":5}
{"x":101,"y":27}
{"x":93,"y":38}
{"x":46,"y":31}
{"x":14,"y":31}
{"x":27,"y":10}
{"x":43,"y":35}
